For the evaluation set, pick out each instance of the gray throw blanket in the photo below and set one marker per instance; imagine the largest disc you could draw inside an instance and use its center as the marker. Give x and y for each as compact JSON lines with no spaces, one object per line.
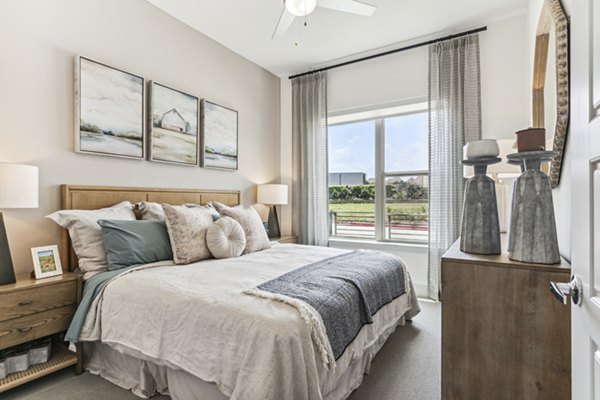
{"x":346,"y":291}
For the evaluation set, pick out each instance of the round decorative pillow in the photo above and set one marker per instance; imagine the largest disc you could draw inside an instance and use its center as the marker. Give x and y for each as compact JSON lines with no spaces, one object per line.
{"x":225,"y":238}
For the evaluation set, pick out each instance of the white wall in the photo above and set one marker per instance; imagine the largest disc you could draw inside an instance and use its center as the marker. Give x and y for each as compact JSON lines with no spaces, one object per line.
{"x":378,"y":83}
{"x":562,"y":194}
{"x":38,"y":42}
{"x":504,"y":78}
{"x":403,"y":77}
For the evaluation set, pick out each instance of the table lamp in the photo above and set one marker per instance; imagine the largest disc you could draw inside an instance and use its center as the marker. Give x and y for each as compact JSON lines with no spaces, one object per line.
{"x":272,"y":195}
{"x":18,"y":189}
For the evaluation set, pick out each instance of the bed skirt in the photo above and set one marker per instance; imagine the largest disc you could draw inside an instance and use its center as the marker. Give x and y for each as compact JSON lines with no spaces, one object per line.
{"x":146,"y":378}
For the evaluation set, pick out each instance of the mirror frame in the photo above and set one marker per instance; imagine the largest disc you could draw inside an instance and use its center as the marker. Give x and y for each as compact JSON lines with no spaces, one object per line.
{"x":552,"y":15}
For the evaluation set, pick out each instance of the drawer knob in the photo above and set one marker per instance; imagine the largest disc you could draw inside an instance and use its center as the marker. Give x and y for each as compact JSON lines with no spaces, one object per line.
{"x":26,"y":303}
{"x":23,"y":330}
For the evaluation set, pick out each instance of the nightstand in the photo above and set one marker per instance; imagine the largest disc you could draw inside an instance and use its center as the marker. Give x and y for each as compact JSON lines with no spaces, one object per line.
{"x":31,"y":309}
{"x":285,"y":239}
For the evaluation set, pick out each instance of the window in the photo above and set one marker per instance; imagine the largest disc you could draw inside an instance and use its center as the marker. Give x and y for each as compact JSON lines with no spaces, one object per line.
{"x":378,"y":175}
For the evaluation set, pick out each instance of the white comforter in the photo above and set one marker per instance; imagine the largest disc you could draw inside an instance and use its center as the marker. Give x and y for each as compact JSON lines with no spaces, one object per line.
{"x":194,"y":317}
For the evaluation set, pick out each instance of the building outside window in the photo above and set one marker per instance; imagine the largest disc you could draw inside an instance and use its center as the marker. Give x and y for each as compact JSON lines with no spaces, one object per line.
{"x":378,"y":175}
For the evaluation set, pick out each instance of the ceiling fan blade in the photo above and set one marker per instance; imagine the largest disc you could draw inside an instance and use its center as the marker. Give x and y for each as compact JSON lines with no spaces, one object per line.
{"x":285,"y":21}
{"x":349,"y":6}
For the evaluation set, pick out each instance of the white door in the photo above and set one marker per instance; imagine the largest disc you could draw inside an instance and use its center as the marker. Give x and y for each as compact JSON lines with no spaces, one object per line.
{"x":584,"y":144}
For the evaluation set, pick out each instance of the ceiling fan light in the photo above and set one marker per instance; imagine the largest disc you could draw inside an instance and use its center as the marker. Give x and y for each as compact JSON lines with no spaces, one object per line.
{"x":300,"y":8}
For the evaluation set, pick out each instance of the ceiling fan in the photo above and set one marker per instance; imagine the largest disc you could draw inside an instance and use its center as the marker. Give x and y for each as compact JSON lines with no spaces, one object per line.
{"x":301,"y":8}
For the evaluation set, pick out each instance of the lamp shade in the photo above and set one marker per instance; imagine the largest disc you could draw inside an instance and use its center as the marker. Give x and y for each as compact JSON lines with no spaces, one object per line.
{"x":18,"y":186}
{"x":502,"y":169}
{"x":272,"y":194}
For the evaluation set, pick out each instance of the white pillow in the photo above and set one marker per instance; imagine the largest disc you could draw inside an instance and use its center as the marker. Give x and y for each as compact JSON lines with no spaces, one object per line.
{"x":225,"y":238}
{"x":86,"y":234}
{"x":150,"y":211}
{"x":248,"y":218}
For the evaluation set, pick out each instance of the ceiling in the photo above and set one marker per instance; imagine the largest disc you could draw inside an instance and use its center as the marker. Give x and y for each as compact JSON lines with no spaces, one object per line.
{"x":246,"y":27}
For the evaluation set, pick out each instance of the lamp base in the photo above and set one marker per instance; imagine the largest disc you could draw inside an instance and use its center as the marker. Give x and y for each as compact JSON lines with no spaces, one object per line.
{"x":7,"y":273}
{"x":273,"y":222}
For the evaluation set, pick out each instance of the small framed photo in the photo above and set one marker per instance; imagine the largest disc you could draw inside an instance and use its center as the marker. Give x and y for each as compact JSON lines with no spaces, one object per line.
{"x":46,"y":261}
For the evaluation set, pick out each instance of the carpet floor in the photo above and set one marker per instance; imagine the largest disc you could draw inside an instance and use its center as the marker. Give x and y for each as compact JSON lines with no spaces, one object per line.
{"x":408,"y":367}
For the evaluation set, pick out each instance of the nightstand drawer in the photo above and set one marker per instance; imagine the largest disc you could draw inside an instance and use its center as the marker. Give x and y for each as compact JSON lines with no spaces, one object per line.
{"x":30,"y":301}
{"x":34,"y":326}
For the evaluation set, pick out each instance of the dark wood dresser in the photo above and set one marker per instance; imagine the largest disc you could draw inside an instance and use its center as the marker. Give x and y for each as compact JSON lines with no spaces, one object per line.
{"x":504,"y":335}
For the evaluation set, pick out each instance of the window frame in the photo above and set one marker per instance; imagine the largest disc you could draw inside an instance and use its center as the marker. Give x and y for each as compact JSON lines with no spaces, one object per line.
{"x":378,"y":116}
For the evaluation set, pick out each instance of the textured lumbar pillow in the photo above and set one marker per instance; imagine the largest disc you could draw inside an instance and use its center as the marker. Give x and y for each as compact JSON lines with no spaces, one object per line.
{"x":86,"y":234}
{"x":150,"y":211}
{"x":225,"y":238}
{"x":248,"y":218}
{"x":187,"y":231}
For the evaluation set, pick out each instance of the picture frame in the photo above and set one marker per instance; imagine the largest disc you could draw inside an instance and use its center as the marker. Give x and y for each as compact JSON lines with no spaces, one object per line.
{"x":174,"y":132}
{"x":219,"y":136}
{"x":110,"y":110}
{"x":46,"y":261}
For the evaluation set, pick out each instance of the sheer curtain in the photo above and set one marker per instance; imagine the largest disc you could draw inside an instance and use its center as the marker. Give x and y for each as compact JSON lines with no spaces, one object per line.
{"x":454,"y":119}
{"x":309,"y":130}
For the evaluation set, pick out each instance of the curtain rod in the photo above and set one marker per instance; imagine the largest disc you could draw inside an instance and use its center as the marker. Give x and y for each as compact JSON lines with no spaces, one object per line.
{"x":386,"y":53}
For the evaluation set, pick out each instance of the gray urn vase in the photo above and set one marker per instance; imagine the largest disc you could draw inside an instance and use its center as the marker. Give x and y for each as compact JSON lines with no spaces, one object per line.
{"x":533,"y":236}
{"x":480,"y":228}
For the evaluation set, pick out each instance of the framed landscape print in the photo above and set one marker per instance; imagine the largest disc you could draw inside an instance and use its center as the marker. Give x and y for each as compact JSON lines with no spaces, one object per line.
{"x":109,"y":110}
{"x":174,"y":129}
{"x":46,"y":261}
{"x":220,"y":136}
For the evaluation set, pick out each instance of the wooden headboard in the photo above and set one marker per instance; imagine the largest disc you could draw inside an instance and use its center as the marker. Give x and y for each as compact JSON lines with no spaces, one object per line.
{"x":93,"y":197}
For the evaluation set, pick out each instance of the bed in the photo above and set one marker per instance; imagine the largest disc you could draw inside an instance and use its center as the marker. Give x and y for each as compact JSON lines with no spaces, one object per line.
{"x":193,"y":331}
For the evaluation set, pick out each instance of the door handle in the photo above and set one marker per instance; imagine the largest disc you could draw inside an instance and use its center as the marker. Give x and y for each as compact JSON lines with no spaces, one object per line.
{"x":574,"y":289}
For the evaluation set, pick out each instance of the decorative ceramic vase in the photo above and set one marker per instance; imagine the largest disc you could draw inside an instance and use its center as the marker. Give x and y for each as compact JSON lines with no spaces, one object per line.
{"x":480,"y":228}
{"x":533,"y":236}
{"x":482,"y":149}
{"x":532,"y":139}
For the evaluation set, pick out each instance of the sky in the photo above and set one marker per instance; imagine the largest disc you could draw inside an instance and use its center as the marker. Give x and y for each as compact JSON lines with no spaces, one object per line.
{"x":352,"y":146}
{"x":110,"y":99}
{"x":220,"y":126}
{"x":164,"y":99}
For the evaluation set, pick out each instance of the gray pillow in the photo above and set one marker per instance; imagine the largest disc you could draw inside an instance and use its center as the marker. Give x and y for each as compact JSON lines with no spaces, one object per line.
{"x":248,"y":218}
{"x":135,"y":242}
{"x":187,"y":231}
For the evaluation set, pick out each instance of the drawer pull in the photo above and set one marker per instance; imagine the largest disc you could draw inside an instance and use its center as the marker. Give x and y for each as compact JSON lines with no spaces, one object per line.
{"x":26,"y":303}
{"x":23,"y":330}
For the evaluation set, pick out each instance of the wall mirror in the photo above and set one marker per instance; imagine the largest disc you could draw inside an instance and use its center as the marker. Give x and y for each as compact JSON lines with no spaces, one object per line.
{"x":551,"y":81}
